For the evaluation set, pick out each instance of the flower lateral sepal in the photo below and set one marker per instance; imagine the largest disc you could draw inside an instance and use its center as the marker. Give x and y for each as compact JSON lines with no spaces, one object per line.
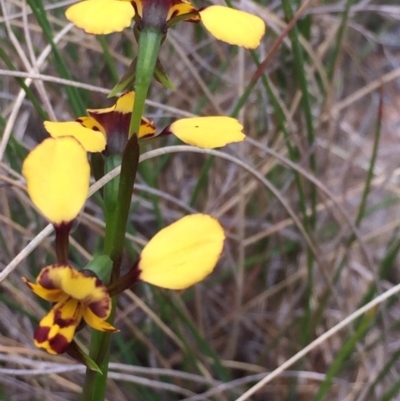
{"x":183,"y":253}
{"x":76,"y":298}
{"x":177,"y":257}
{"x":206,"y":132}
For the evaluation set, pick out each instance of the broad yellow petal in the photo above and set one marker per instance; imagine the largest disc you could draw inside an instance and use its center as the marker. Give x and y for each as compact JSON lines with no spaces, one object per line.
{"x":101,"y":17}
{"x":91,"y":140}
{"x":57,"y":329}
{"x":57,"y":174}
{"x":208,"y":132}
{"x":233,"y":26}
{"x":97,"y":323}
{"x":183,"y":253}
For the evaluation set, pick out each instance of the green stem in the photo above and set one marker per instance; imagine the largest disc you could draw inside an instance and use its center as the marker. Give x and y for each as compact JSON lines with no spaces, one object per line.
{"x":117,"y":198}
{"x":149,"y":46}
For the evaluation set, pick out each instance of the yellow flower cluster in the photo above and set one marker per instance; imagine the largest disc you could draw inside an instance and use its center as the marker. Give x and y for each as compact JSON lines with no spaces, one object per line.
{"x":57,"y":174}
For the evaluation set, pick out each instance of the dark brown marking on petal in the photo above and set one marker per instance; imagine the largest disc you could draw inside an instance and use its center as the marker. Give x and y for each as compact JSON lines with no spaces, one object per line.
{"x":41,"y":334}
{"x":59,"y":344}
{"x":100,"y":308}
{"x":45,"y":281}
{"x":95,"y":128}
{"x":79,"y":120}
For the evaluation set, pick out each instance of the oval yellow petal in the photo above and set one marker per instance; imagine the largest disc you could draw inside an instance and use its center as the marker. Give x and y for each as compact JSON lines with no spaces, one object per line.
{"x":91,"y":140}
{"x":233,"y":26}
{"x":208,"y":132}
{"x":183,"y":253}
{"x":57,"y":174}
{"x":101,"y":17}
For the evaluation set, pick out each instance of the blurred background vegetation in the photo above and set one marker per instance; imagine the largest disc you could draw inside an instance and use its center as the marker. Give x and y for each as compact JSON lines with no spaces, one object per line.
{"x":312,"y":242}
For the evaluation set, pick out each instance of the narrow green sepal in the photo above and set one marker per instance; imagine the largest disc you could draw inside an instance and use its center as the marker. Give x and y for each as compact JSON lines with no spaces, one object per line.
{"x":161,"y":76}
{"x":129,"y":78}
{"x":126,"y":80}
{"x":75,"y":352}
{"x":101,"y":265}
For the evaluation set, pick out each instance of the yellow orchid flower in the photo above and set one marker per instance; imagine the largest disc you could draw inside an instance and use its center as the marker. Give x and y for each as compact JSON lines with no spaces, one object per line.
{"x":112,"y":125}
{"x":57,"y":174}
{"x":103,"y":126}
{"x":100,"y":17}
{"x":76,"y":296}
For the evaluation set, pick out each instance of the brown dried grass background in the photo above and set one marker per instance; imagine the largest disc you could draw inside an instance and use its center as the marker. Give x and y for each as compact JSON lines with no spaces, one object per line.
{"x":247,"y":319}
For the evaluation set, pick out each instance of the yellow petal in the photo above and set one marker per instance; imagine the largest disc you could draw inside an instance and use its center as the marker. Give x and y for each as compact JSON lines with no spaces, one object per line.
{"x":57,"y":329}
{"x":97,"y":323}
{"x":91,"y":140}
{"x":183,"y":253}
{"x":57,"y":173}
{"x":147,"y":128}
{"x":233,"y":26}
{"x":52,"y":295}
{"x":208,"y":132}
{"x":101,"y":17}
{"x":125,"y":102}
